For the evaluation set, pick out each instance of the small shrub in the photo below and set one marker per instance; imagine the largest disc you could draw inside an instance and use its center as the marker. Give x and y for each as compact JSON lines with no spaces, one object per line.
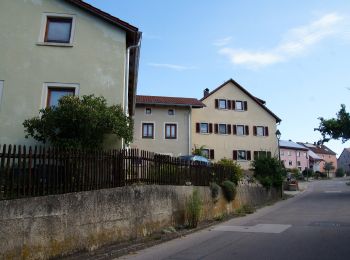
{"x":307,"y":173}
{"x":214,"y":188}
{"x":193,"y":209}
{"x":229,"y":190}
{"x":245,"y":209}
{"x":339,"y":172}
{"x":236,"y":169}
{"x":268,"y":171}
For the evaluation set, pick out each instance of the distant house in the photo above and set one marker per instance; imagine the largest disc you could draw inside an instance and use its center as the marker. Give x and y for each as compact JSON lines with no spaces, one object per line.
{"x":294,"y":155}
{"x":344,"y":160}
{"x":235,"y":124}
{"x":162,"y":124}
{"x":324,"y":153}
{"x":53,"y":48}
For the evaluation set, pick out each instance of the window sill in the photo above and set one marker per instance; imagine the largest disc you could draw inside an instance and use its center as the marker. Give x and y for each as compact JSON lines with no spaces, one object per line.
{"x":54,"y":44}
{"x":204,"y":133}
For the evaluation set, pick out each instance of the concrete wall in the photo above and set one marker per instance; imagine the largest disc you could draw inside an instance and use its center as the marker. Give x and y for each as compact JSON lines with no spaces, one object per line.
{"x":43,"y":227}
{"x":95,"y":61}
{"x":159,"y":117}
{"x":224,"y":145}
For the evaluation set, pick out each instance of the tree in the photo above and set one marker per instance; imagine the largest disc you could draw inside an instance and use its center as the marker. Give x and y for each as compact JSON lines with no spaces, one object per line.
{"x":268,"y":171}
{"x":335,"y":128}
{"x":79,"y":123}
{"x":328,"y":166}
{"x":198,"y":150}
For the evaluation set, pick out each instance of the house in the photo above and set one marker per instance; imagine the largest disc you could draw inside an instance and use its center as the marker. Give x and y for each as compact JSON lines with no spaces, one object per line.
{"x":235,"y":124}
{"x":294,"y":155}
{"x":324,"y":153}
{"x":344,"y":160}
{"x":162,"y":124}
{"x":52,"y":48}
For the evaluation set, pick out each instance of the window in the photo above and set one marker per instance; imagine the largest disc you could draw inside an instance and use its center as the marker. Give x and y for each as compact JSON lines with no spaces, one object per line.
{"x":298,"y":154}
{"x":222,"y":104}
{"x":170,"y":131}
{"x":239,"y":105}
{"x":241,"y":155}
{"x":208,"y":153}
{"x":54,"y":94}
{"x":223,"y":129}
{"x":290,"y":163}
{"x":204,"y":128}
{"x":57,"y":29}
{"x":298,"y":163}
{"x":262,"y":154}
{"x":240,"y":130}
{"x":282,"y":153}
{"x":148,"y":111}
{"x":205,"y":153}
{"x":148,"y":130}
{"x":289,"y":153}
{"x":171,"y":112}
{"x":1,"y":89}
{"x":261,"y":130}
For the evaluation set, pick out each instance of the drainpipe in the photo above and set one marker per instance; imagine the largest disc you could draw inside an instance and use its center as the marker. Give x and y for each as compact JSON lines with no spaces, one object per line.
{"x":127,"y":69}
{"x":189,"y":130}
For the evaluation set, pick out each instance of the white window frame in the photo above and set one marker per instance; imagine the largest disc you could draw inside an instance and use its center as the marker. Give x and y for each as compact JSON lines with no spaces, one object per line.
{"x":200,"y":128}
{"x":222,"y":99}
{"x":47,"y":85}
{"x":263,"y":130}
{"x":206,"y":151}
{"x":242,"y":105}
{"x":226,"y":129}
{"x":177,"y":130}
{"x":1,"y":91}
{"x":41,"y":39}
{"x":243,"y":126}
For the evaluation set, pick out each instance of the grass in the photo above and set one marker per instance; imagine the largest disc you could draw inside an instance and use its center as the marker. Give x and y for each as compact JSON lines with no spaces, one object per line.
{"x":245,"y":209}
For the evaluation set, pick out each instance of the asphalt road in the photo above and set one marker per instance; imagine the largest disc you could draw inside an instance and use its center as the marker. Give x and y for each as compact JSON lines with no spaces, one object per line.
{"x":313,"y":225}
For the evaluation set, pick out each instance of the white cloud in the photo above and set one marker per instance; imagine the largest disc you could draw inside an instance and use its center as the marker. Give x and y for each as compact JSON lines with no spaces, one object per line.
{"x":172,"y":66}
{"x":223,"y":41}
{"x":297,"y":41}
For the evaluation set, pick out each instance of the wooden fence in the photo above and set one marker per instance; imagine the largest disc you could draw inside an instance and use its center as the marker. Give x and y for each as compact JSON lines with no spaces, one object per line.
{"x":38,"y":171}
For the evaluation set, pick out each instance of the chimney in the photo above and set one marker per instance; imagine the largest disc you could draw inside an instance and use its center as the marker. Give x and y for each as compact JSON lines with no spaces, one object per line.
{"x":206,"y":92}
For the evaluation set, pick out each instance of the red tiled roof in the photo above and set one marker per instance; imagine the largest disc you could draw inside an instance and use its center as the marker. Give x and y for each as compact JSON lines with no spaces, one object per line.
{"x":318,"y":149}
{"x":168,"y":101}
{"x":259,"y":101}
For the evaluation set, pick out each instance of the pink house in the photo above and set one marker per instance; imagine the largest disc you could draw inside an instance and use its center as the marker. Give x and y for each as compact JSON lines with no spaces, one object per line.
{"x":294,"y":155}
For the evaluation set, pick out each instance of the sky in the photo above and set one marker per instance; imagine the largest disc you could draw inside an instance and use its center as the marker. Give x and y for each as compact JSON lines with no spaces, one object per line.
{"x":293,"y":54}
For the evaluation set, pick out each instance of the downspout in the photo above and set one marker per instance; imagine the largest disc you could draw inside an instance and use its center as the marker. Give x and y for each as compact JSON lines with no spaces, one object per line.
{"x":127,"y":69}
{"x":189,"y":130}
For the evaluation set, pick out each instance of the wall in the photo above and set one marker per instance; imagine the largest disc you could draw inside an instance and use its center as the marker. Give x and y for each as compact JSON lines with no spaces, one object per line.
{"x":95,"y":61}
{"x":344,"y":160}
{"x":43,"y":227}
{"x":159,"y":116}
{"x":328,"y":158}
{"x":225,"y":144}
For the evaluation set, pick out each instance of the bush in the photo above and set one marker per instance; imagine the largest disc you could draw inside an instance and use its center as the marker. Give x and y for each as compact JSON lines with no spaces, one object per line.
{"x":214,"y":188}
{"x":268,"y":171}
{"x":79,"y":123}
{"x":339,"y":172}
{"x":236,"y":169}
{"x":193,"y":209}
{"x":307,"y":173}
{"x":229,"y":190}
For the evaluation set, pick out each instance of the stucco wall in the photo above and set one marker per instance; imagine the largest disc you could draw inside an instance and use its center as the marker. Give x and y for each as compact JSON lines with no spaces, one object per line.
{"x":159,"y":117}
{"x":328,"y":158}
{"x":39,"y":228}
{"x":95,"y":61}
{"x":225,"y":144}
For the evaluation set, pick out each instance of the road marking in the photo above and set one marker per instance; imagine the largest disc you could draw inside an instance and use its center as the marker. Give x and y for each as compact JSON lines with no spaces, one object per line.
{"x":260,"y":228}
{"x":333,"y":191}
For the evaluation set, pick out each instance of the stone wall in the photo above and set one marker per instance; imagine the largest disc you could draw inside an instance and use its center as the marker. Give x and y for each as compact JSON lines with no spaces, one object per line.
{"x":43,"y":227}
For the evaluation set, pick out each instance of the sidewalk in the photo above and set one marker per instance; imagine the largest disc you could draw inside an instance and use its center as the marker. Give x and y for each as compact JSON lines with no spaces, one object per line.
{"x":302,"y":187}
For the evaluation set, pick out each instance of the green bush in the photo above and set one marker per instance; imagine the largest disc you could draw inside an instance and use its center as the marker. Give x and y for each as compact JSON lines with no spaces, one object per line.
{"x":193,"y":209}
{"x":214,"y":188}
{"x":236,"y":169}
{"x":307,"y":173}
{"x":268,"y":171}
{"x":229,"y":190}
{"x":340,"y":172}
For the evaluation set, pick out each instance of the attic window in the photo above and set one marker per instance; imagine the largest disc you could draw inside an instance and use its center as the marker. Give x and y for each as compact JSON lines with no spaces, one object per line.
{"x":58,"y":29}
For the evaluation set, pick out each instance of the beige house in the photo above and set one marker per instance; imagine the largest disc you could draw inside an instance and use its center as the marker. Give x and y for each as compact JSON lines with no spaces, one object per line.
{"x":52,"y":48}
{"x":162,"y":124}
{"x":234,"y":124}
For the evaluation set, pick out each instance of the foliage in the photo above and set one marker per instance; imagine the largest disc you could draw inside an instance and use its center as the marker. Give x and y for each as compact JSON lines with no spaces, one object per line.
{"x":229,"y":190}
{"x":245,"y":209}
{"x":268,"y":171}
{"x":198,"y":150}
{"x":79,"y":123}
{"x":193,"y":209}
{"x":236,"y":169}
{"x":339,"y":172}
{"x":214,"y":188}
{"x":328,"y":166}
{"x":336,"y":128}
{"x":307,"y":173}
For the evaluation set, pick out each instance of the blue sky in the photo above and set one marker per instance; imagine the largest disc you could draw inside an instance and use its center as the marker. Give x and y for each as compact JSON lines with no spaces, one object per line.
{"x":293,"y":54}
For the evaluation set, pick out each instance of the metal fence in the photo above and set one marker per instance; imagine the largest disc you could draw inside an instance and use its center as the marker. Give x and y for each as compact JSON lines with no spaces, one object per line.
{"x":38,"y":171}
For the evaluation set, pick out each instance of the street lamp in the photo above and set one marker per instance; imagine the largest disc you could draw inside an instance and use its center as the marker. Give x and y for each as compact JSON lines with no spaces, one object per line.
{"x":278,"y":135}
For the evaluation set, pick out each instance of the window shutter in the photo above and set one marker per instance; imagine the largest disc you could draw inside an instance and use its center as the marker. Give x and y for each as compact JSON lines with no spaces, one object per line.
{"x":269,"y":154}
{"x":197,"y":127}
{"x":216,"y":128}
{"x":254,"y":130}
{"x":229,"y":129}
{"x":216,"y":103}
{"x":266,"y":131}
{"x":249,"y":156}
{"x":211,"y":154}
{"x":245,"y":105}
{"x":256,"y":155}
{"x":234,"y":127}
{"x":246,"y":130}
{"x":228,"y":102}
{"x":233,"y":104}
{"x":210,"y":128}
{"x":234,"y":157}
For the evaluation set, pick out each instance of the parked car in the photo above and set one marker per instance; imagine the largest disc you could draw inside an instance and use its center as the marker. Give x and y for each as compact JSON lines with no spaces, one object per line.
{"x":195,"y":158}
